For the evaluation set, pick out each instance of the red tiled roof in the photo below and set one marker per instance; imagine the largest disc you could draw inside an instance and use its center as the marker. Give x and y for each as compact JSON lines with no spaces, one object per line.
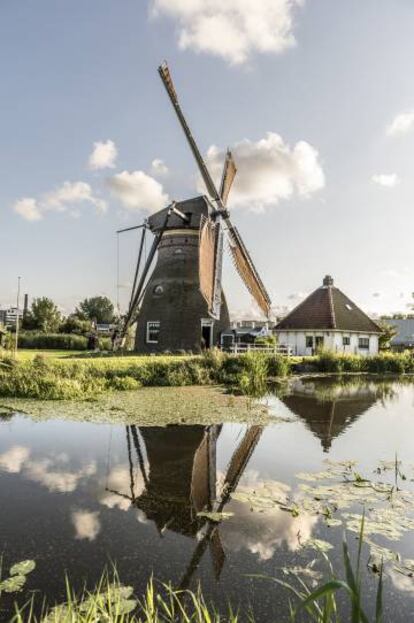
{"x":328,"y":308}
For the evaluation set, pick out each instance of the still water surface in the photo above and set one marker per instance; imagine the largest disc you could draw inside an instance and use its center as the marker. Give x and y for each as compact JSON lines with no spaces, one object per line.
{"x":77,"y":496}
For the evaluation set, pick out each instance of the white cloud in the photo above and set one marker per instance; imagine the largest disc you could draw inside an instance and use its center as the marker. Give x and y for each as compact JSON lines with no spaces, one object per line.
{"x":87,"y":524}
{"x":401,"y":124}
{"x":65,"y":198}
{"x":159,"y":168}
{"x":269,"y":170}
{"x":51,"y":472}
{"x":29,"y":209}
{"x":264,"y":532}
{"x":138,"y":191}
{"x":13,"y":459}
{"x":388,"y":180}
{"x":54,"y":478}
{"x":72,"y":193}
{"x":119,"y":480}
{"x":233,"y":29}
{"x":103,"y":156}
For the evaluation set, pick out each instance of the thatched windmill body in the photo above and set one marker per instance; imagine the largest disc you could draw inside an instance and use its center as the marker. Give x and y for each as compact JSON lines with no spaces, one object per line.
{"x":181,"y":306}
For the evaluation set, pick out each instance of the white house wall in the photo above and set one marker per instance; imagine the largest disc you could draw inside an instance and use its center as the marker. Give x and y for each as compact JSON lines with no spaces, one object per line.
{"x":333,"y":341}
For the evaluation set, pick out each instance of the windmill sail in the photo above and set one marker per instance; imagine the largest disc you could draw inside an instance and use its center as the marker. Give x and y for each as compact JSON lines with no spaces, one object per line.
{"x":165,"y":75}
{"x":229,"y":173}
{"x":247,"y":270}
{"x":210,"y":254}
{"x":211,"y":294}
{"x":206,"y":259}
{"x":210,"y":271}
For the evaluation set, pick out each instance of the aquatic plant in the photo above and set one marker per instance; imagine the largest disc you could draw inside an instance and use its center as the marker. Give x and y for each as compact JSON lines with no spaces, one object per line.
{"x":17,"y":576}
{"x":112,"y":601}
{"x":252,"y":381}
{"x":320,"y":604}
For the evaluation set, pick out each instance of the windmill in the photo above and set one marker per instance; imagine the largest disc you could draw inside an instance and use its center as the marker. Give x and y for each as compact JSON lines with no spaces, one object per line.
{"x":181,"y":305}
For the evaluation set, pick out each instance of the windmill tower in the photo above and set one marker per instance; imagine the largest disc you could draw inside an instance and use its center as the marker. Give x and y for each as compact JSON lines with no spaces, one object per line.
{"x":181,"y":306}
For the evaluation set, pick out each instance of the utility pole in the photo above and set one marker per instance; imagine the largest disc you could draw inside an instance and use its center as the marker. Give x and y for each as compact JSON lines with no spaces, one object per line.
{"x":17,"y":317}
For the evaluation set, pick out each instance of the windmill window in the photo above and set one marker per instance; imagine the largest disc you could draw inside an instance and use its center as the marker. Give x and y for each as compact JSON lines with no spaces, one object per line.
{"x":158,"y":290}
{"x":363,"y":343}
{"x":153,"y":331}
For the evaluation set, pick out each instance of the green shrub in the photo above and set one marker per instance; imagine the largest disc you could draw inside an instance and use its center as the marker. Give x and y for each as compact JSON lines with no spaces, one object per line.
{"x":58,"y":341}
{"x":327,"y":361}
{"x":383,"y":363}
{"x":277,"y":365}
{"x":124,"y":383}
{"x":387,"y":362}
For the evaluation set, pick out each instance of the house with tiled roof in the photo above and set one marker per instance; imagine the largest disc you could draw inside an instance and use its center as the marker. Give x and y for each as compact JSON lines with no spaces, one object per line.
{"x":327,"y":319}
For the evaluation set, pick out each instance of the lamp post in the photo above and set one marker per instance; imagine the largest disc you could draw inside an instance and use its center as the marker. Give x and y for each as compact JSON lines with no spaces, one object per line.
{"x":17,"y":317}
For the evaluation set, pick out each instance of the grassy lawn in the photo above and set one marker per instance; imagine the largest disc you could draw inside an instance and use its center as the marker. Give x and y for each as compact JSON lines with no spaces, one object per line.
{"x":29,"y":354}
{"x":97,"y":359}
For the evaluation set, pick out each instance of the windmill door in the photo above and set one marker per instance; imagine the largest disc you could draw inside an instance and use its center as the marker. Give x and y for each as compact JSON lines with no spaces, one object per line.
{"x":206,"y":333}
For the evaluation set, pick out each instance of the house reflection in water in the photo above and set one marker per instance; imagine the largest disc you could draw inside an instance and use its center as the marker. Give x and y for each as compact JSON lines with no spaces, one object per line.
{"x":180,"y":482}
{"x":329,"y":408}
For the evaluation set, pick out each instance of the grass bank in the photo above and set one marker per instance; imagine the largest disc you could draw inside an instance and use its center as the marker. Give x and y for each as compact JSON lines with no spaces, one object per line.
{"x":85,"y":379}
{"x":383,"y":363}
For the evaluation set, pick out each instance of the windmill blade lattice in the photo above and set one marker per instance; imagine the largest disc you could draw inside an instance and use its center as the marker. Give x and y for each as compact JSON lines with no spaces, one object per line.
{"x":247,"y":270}
{"x":229,"y":173}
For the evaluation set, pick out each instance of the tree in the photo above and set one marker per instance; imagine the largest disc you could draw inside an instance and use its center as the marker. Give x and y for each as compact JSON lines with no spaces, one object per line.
{"x":43,"y":316}
{"x":388,"y":333}
{"x":98,"y":308}
{"x":73,"y":324}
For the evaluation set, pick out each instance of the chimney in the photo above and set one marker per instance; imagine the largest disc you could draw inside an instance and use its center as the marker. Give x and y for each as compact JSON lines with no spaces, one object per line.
{"x":25,"y":305}
{"x":328,"y":281}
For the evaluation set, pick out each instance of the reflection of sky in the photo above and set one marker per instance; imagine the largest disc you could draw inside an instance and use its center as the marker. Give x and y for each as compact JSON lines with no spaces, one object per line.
{"x":56,"y":507}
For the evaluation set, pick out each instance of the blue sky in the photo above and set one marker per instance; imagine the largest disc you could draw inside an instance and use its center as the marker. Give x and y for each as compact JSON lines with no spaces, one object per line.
{"x":334,"y":77}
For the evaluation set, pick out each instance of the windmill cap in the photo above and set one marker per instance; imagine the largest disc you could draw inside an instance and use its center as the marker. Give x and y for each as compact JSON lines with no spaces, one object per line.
{"x":328,"y":280}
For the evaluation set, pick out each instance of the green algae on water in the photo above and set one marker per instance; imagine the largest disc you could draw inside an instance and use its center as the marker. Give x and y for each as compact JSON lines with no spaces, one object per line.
{"x":150,"y":406}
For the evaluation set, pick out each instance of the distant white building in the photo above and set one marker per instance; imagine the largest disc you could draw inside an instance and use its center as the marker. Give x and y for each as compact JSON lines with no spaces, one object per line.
{"x":9,"y":316}
{"x":404,"y":337}
{"x":329,"y":320}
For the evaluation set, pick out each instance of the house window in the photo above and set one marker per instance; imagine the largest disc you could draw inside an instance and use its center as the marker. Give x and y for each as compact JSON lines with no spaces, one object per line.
{"x":346,"y":340}
{"x":153,"y":331}
{"x":363,"y":343}
{"x":309,"y":341}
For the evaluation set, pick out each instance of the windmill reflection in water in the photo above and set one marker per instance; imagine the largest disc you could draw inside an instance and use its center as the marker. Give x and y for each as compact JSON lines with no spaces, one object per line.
{"x":181,"y":482}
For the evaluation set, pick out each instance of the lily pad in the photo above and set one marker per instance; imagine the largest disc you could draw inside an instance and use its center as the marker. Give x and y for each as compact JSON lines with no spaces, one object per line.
{"x":215,"y":516}
{"x":14,"y":584}
{"x":23,"y":568}
{"x":318,"y":544}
